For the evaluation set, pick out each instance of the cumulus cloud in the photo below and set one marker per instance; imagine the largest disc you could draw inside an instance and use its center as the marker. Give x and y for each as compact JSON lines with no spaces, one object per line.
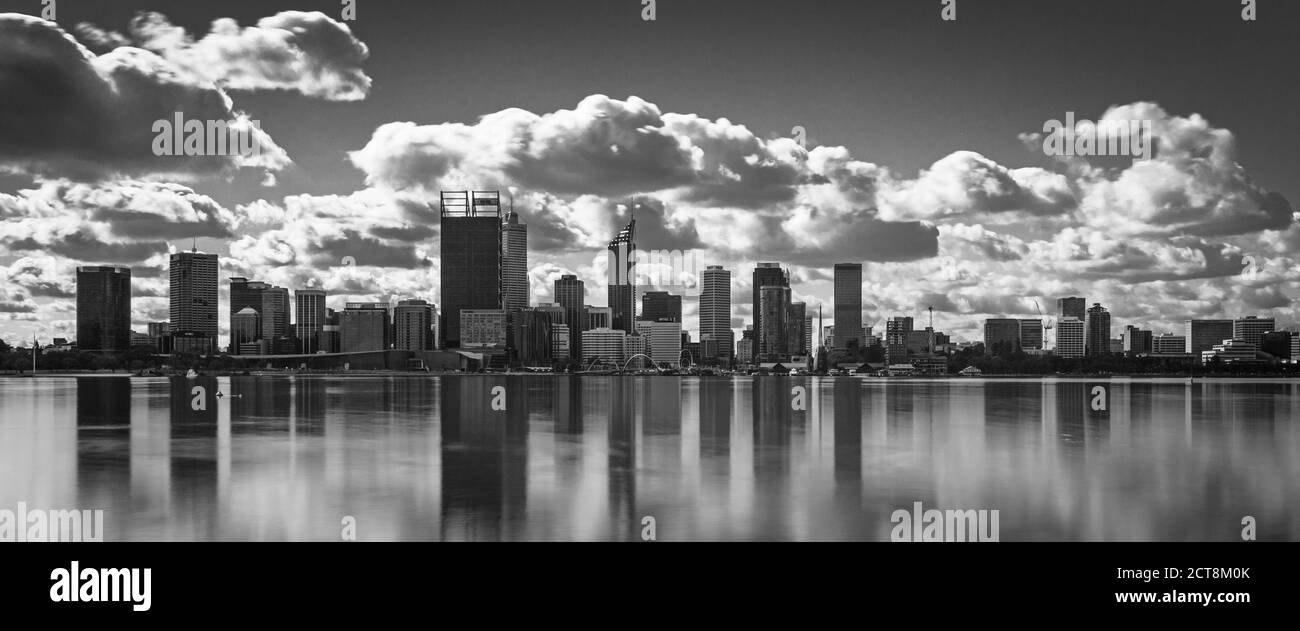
{"x":305,"y":52}
{"x":711,"y":182}
{"x":111,"y":223}
{"x":68,"y":112}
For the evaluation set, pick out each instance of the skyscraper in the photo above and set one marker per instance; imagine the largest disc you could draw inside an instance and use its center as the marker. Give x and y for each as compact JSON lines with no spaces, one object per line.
{"x":570,"y":294}
{"x":622,"y":291}
{"x":245,"y":294}
{"x":715,"y":309}
{"x":275,"y":313}
{"x":103,"y":308}
{"x":309,"y":312}
{"x":659,"y":306}
{"x":1072,"y":307}
{"x":471,"y":257}
{"x":848,"y":304}
{"x":193,"y":295}
{"x":774,"y":306}
{"x":1097,"y":327}
{"x":795,"y":337}
{"x":413,"y":323}
{"x":530,"y":337}
{"x":245,"y":330}
{"x":765,"y":274}
{"x":515,"y":261}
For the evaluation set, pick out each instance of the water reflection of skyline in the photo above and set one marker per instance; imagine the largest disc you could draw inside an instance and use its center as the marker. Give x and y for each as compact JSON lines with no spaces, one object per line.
{"x":587,"y":458}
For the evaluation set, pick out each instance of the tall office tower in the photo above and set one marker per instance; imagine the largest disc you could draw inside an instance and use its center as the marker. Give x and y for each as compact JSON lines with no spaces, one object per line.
{"x":1251,"y":329}
{"x":514,"y":239}
{"x":1069,"y":337}
{"x":774,"y":308}
{"x":571,"y":294}
{"x":275,"y":313}
{"x":1001,"y":336}
{"x":413,"y":325}
{"x":245,"y":294}
{"x":715,"y":309}
{"x":848,"y":304}
{"x":530,"y":331}
{"x":363,"y":326}
{"x":1097,"y":326}
{"x":808,"y":327}
{"x":765,"y":274}
{"x":621,"y":287}
{"x":1202,"y":335}
{"x":1072,"y":307}
{"x":1031,"y":333}
{"x":1136,"y":341}
{"x":309,"y":320}
{"x":663,"y":339}
{"x":471,"y":257}
{"x":795,"y":337}
{"x":897,"y":331}
{"x":193,"y":296}
{"x":245,"y":330}
{"x":662,"y":306}
{"x":103,"y":308}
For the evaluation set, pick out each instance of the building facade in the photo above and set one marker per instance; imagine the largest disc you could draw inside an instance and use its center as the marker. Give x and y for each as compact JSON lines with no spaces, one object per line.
{"x":848,"y":304}
{"x":103,"y":309}
{"x":715,"y":310}
{"x":471,"y":258}
{"x":193,"y":295}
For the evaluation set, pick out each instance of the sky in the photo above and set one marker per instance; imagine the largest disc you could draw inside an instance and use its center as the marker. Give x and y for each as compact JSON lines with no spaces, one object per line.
{"x":806,"y":133}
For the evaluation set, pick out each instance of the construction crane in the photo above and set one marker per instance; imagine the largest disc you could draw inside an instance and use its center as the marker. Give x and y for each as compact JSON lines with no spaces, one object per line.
{"x":1047,"y":324}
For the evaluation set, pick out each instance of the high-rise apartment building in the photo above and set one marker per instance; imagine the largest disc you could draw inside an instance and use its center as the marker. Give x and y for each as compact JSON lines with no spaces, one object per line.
{"x":765,"y":275}
{"x":414,"y":325}
{"x":1096,"y":325}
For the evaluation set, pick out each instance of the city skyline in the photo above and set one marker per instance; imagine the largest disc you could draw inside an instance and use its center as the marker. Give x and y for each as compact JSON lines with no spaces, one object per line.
{"x":940,"y":212}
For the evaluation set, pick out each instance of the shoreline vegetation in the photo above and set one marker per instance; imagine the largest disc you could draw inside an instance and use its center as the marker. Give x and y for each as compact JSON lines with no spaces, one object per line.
{"x":453,"y":373}
{"x":146,"y":362}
